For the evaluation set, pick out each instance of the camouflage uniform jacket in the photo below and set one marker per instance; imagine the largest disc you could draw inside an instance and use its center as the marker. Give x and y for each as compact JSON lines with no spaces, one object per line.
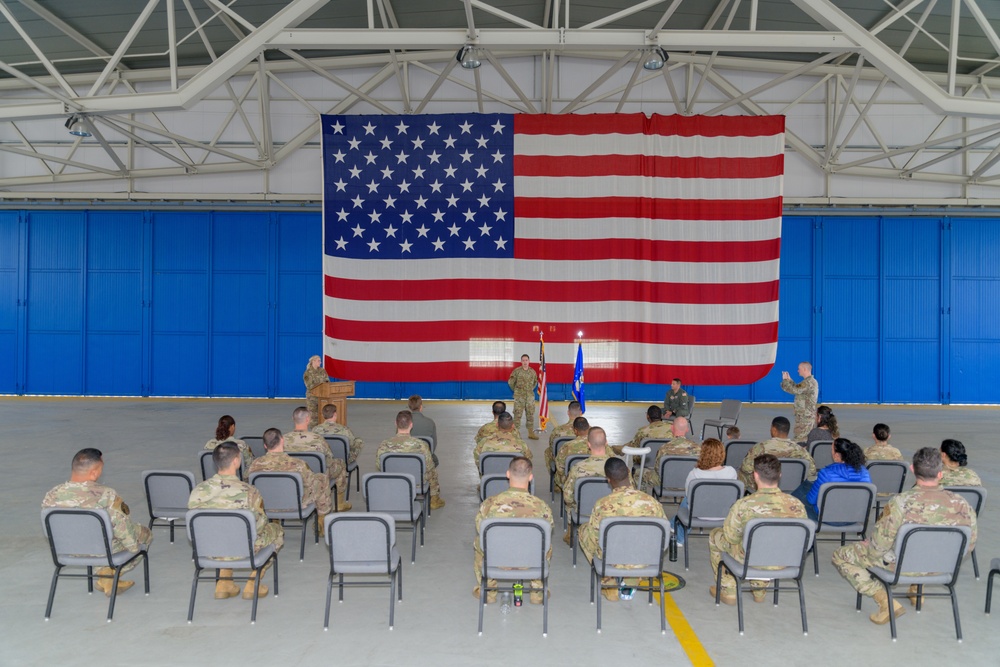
{"x":334,"y":428}
{"x":930,"y":506}
{"x":314,"y":376}
{"x":561,"y":431}
{"x":523,"y":382}
{"x":244,"y":450}
{"x":623,"y":501}
{"x":502,"y":441}
{"x":883,"y":452}
{"x":282,"y":462}
{"x":227,"y":492}
{"x":657,"y":429}
{"x":307,"y":441}
{"x":127,"y":535}
{"x":677,"y":447}
{"x":404,"y":444}
{"x":590,"y":467}
{"x":960,"y":477}
{"x":487,"y":430}
{"x":780,"y":447}
{"x":512,"y":503}
{"x":763,"y":504}
{"x":676,"y":402}
{"x":806,"y":396}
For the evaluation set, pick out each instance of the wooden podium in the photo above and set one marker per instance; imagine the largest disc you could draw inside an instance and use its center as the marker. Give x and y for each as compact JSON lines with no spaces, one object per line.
{"x":336,"y":393}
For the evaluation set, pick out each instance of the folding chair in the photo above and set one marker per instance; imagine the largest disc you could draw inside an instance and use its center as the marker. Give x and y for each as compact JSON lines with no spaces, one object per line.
{"x":937,"y":550}
{"x":80,"y":537}
{"x":994,"y":570}
{"x":888,"y":478}
{"x":317,"y":463}
{"x":673,"y":475}
{"x":628,"y":542}
{"x":414,"y":465}
{"x":255,"y":443}
{"x":363,"y":543}
{"x":587,"y":491}
{"x":571,"y":461}
{"x":395,"y":494}
{"x":341,"y":449}
{"x":556,"y":445}
{"x":490,"y":485}
{"x":844,"y":507}
{"x":793,"y":473}
{"x":707,"y":498}
{"x":514,"y":550}
{"x":729,"y":414}
{"x":167,"y":493}
{"x":976,"y":497}
{"x":492,"y":463}
{"x":736,"y":452}
{"x":283,"y":494}
{"x":821,"y":452}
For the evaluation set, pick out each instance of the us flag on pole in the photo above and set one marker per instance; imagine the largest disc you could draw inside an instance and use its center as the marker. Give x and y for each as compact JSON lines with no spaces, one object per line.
{"x":543,"y":385}
{"x":451,"y":240}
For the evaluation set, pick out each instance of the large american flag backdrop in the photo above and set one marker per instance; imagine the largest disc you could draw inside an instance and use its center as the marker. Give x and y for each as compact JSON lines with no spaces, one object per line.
{"x":451,"y":241}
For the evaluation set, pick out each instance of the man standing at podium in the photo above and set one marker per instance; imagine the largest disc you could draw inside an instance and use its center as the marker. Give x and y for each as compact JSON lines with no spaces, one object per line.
{"x":314,"y":376}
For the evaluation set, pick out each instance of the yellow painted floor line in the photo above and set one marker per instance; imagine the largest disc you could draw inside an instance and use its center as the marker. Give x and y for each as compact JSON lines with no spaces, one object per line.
{"x":696,"y":653}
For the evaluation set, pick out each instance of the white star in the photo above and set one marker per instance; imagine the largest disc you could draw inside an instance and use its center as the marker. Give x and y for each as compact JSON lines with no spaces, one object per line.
{"x":466,"y":156}
{"x":501,"y":243}
{"x":433,"y":128}
{"x":438,"y":215}
{"x":469,"y":215}
{"x":453,"y":229}
{"x":484,"y":201}
{"x":469,"y":243}
{"x":372,"y":187}
{"x":498,"y":186}
{"x":358,"y":201}
{"x":497,"y":128}
{"x":354,"y":143}
{"x":481,"y":171}
{"x":402,"y":127}
{"x":421,"y":202}
{"x":498,"y":157}
{"x":386,"y":143}
{"x":481,"y":141}
{"x":466,"y":185}
{"x":375,"y":216}
{"x":419,"y":172}
{"x":452,"y":201}
{"x":449,"y":171}
{"x":390,"y":231}
{"x":466,"y":126}
{"x":405,"y":245}
{"x":450,"y":142}
{"x":358,"y":231}
{"x":401,"y":157}
{"x":339,"y":155}
{"x":422,"y":231}
{"x":355,"y":172}
{"x":341,"y":243}
{"x":373,"y":245}
{"x":342,"y":215}
{"x":387,"y":173}
{"x":436,"y":186}
{"x":439,"y":244}
{"x":370,"y":157}
{"x":500,"y":214}
{"x":340,"y":185}
{"x":337,"y":128}
{"x":418,"y":143}
{"x":485,"y":230}
{"x":406,"y":216}
{"x":390,"y":201}
{"x":433,"y":157}
{"x":404,"y":186}
{"x":369,"y":128}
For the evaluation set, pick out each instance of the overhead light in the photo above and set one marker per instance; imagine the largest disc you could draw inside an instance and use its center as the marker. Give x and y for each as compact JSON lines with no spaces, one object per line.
{"x":76,"y":127}
{"x":468,"y":58}
{"x":655,"y":60}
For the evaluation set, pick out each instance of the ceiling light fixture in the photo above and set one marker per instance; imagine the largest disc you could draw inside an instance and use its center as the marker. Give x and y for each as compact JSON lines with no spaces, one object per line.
{"x":468,"y":57}
{"x":656,"y":59}
{"x":76,"y":127}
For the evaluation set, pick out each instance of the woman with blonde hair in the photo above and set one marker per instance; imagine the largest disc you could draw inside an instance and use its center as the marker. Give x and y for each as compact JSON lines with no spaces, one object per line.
{"x":314,"y":376}
{"x":710,"y":465}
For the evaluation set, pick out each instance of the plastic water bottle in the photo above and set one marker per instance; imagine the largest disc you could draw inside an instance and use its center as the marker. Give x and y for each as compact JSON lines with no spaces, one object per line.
{"x":518,"y":594}
{"x":672,"y":548}
{"x":505,"y":602}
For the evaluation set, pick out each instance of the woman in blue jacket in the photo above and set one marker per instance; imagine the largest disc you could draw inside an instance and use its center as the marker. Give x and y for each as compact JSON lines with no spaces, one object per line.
{"x":848,"y":466}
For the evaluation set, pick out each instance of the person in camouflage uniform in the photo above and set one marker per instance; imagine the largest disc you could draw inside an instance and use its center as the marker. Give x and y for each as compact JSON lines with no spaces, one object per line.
{"x":806,"y":399}
{"x":82,"y":490}
{"x":516,"y":502}
{"x":780,"y":446}
{"x":314,"y":376}
{"x":315,"y":486}
{"x":655,"y":428}
{"x":225,"y":431}
{"x":955,"y":461}
{"x":597,"y":441}
{"x":488,"y":429}
{"x":522,"y":382}
{"x":562,"y":430}
{"x":882,"y":450}
{"x":622,"y":501}
{"x":404,"y":443}
{"x":301,"y":439}
{"x":675,"y":403}
{"x":926,"y":503}
{"x":678,"y":446}
{"x":578,"y":445}
{"x":225,"y":491}
{"x":330,"y":426}
{"x":767,"y":502}
{"x":506,"y":439}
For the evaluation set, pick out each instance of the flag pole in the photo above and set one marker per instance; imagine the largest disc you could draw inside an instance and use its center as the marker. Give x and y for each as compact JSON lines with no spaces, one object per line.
{"x":543,"y":390}
{"x":578,"y":385}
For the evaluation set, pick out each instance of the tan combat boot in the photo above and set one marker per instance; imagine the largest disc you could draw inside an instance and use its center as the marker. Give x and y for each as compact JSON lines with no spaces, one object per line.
{"x":881,"y":617}
{"x":342,"y":504}
{"x":724,"y":598}
{"x":568,"y":537}
{"x":912,"y":594}
{"x":610,"y":594}
{"x":437,"y":502}
{"x":249,"y":588}
{"x":106,"y":584}
{"x":224,"y":587}
{"x":532,"y":435}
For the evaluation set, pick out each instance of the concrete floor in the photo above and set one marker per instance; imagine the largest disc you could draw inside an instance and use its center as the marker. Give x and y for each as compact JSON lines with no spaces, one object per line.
{"x":436,"y":623}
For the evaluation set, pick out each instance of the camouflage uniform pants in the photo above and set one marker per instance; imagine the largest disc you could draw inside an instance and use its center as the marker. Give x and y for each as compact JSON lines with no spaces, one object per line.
{"x":549,"y":459}
{"x":145,"y":536}
{"x":477,"y":567}
{"x":431,"y":479}
{"x":338,"y":475}
{"x":318,"y":491}
{"x":273,"y":533}
{"x":312,"y":403}
{"x":355,"y":450}
{"x":852,"y":562}
{"x":526,"y":405}
{"x":805,"y":421}
{"x":716,"y":547}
